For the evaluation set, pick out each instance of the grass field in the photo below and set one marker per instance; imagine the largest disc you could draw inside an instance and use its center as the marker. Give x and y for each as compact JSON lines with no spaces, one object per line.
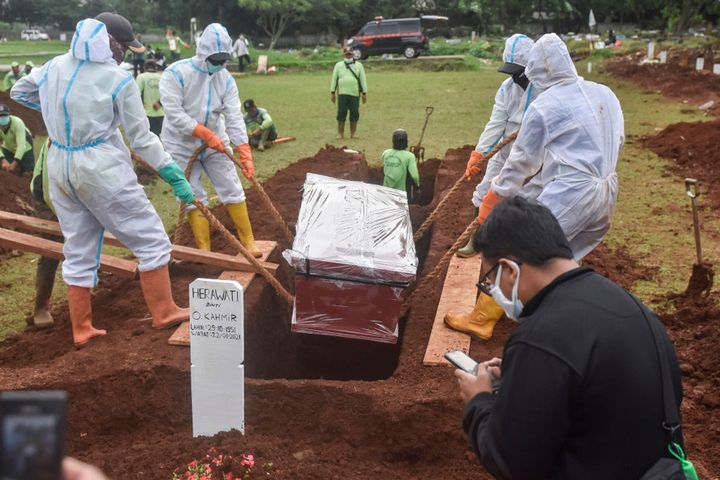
{"x":300,"y":105}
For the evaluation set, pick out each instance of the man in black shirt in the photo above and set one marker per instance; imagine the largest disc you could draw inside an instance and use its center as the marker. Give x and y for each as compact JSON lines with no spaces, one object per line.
{"x":580,"y":394}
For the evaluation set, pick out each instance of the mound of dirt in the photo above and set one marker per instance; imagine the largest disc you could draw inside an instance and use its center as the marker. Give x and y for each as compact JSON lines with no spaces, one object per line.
{"x":695,"y":152}
{"x":16,"y":196}
{"x":32,"y":118}
{"x":672,"y":79}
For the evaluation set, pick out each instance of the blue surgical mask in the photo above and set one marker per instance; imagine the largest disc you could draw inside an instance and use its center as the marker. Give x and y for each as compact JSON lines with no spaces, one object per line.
{"x":349,"y":60}
{"x":512,"y":307}
{"x":214,"y":68}
{"x":5,"y":120}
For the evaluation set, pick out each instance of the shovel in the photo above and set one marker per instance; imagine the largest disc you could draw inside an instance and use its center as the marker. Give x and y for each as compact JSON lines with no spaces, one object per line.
{"x":418,"y":150}
{"x":702,"y":277}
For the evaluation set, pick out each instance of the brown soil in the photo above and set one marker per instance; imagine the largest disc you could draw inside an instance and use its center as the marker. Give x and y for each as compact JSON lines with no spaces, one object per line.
{"x":317,"y":407}
{"x":32,"y":118}
{"x":16,"y":196}
{"x":695,"y":152}
{"x":672,"y":79}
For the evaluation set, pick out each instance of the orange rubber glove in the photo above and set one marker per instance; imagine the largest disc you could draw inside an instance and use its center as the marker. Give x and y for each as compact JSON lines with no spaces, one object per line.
{"x":473,"y":165}
{"x":212,"y":140}
{"x":248,"y":168}
{"x":489,"y":201}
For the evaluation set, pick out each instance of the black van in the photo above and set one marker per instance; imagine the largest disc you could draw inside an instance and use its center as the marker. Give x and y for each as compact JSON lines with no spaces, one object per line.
{"x":396,"y":35}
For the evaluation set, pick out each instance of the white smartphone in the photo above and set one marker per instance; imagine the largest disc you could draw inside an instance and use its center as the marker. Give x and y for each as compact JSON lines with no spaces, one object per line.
{"x":460,"y":360}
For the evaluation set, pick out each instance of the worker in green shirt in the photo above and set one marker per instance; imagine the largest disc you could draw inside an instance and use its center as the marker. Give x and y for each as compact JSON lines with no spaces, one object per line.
{"x":46,"y":266}
{"x":259,"y":125}
{"x":12,"y":76}
{"x":347,"y":84}
{"x":398,"y":163}
{"x":16,"y":143}
{"x":148,"y":83}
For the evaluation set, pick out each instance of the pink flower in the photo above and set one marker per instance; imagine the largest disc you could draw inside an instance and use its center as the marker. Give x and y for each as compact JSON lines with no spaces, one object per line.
{"x":248,"y":461}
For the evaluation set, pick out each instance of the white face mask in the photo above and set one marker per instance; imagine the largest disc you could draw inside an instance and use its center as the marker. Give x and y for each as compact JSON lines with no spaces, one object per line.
{"x":513,"y":307}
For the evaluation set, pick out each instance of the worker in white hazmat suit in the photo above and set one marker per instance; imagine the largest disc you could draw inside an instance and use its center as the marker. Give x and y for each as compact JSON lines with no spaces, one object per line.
{"x":511,"y":102}
{"x":84,"y":96}
{"x":201,"y":104}
{"x":574,"y":131}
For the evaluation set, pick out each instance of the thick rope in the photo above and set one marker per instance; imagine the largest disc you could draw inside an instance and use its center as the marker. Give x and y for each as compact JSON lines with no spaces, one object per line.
{"x":268,"y":203}
{"x":183,"y":206}
{"x":436,"y":272}
{"x":430,"y":220}
{"x":216,"y":224}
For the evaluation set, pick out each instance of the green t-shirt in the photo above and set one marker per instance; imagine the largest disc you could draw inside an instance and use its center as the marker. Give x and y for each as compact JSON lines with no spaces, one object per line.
{"x":396,"y":166}
{"x":10,"y":79}
{"x":344,"y":82}
{"x":15,"y":139}
{"x":149,"y":85}
{"x":262,"y":120}
{"x":40,"y":176}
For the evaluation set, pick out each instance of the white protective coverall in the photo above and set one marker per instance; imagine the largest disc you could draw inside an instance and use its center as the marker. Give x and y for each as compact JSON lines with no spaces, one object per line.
{"x":190,"y":95}
{"x":574,"y":131}
{"x":511,"y":102}
{"x":84,"y":97}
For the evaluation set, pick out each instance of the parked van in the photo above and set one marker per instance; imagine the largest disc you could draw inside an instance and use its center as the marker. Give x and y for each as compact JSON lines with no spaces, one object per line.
{"x":33,"y":34}
{"x":396,"y":35}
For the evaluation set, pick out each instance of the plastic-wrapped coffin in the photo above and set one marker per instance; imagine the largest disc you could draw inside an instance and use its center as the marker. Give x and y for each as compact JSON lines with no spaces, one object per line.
{"x":353,"y":256}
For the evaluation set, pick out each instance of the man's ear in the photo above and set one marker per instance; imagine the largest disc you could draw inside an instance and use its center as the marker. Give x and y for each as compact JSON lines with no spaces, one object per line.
{"x":510,"y":267}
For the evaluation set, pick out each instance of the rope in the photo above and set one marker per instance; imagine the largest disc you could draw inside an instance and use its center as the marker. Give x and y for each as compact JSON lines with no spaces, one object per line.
{"x":448,"y":195}
{"x":441,"y":265}
{"x":268,"y":203}
{"x":183,"y":206}
{"x":225,"y":233}
{"x":245,"y":253}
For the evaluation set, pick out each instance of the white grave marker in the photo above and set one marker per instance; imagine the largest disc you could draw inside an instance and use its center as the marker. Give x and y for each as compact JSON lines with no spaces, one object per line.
{"x":699,"y":63}
{"x":589,"y":67}
{"x":651,"y":50}
{"x":217,"y":354}
{"x":716,"y":69}
{"x":663,"y":56}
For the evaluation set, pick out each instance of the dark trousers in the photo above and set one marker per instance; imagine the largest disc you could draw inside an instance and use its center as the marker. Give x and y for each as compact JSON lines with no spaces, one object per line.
{"x":348,"y":103}
{"x":241,"y":61}
{"x":156,"y":124}
{"x":138,"y":65}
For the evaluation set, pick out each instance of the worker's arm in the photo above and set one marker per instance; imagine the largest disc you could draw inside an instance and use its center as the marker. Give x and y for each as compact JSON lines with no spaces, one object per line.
{"x":234,"y":120}
{"x":361,"y":76}
{"x":518,"y":434}
{"x":140,"y":80}
{"x":334,"y":79}
{"x":495,"y":127}
{"x":172,"y":89}
{"x":526,"y":157}
{"x":135,"y":124}
{"x":267,"y":121}
{"x":26,"y":90}
{"x":17,"y":129}
{"x":413,"y":169}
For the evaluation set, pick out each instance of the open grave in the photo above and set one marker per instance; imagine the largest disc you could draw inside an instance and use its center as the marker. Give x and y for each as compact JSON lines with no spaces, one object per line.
{"x":316,"y":406}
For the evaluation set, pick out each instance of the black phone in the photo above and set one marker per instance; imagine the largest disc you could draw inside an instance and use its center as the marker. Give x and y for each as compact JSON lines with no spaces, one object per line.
{"x":32,"y":434}
{"x":460,"y":360}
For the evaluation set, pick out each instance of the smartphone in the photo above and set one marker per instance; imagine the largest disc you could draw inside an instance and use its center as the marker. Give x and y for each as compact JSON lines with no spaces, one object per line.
{"x":32,"y":434}
{"x":460,"y":360}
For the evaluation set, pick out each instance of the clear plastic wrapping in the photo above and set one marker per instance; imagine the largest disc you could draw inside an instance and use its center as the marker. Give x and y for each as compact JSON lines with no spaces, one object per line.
{"x":353,"y":255}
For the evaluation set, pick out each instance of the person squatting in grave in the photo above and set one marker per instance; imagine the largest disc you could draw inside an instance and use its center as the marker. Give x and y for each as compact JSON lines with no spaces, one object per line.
{"x":400,"y":166}
{"x":580,"y":394}
{"x":84,"y":97}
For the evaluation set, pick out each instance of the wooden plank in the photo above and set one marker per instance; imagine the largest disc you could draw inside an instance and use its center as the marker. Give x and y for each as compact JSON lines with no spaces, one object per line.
{"x":283,"y":140}
{"x":28,"y":243}
{"x":458,"y":294}
{"x":222,"y":260}
{"x":43,"y":227}
{"x":181,"y":336}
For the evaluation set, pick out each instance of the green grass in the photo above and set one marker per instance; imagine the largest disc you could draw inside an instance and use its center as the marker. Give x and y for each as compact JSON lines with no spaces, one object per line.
{"x":652,"y":219}
{"x":38,"y":51}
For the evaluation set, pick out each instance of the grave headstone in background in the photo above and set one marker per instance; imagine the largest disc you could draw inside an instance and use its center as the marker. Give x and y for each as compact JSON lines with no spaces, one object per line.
{"x":217,"y":354}
{"x":663,"y":56}
{"x":651,"y":50}
{"x":699,"y":63}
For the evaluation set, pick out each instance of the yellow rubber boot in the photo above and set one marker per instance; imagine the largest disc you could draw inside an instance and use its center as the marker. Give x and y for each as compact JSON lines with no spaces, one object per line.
{"x":480,"y":322}
{"x":239,"y":214}
{"x":200,"y":228}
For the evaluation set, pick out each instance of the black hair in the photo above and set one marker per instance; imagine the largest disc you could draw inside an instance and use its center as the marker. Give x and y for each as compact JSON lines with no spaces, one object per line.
{"x":522,"y":230}
{"x":248,"y":104}
{"x":400,"y":139}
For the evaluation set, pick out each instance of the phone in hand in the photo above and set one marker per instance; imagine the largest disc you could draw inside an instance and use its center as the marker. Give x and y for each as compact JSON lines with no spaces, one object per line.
{"x":32,"y":434}
{"x":460,"y":360}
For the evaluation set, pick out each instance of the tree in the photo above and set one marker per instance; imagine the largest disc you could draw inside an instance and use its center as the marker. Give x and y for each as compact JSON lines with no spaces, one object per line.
{"x":274,"y":15}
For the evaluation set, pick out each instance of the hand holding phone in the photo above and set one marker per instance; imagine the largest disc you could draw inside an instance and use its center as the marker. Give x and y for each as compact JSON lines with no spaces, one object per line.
{"x":462,"y":361}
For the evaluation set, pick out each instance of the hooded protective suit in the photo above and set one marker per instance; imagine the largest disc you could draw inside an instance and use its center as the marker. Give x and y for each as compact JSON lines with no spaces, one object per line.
{"x":511,"y":102}
{"x":84,"y":97}
{"x":191,"y":95}
{"x":574,"y":131}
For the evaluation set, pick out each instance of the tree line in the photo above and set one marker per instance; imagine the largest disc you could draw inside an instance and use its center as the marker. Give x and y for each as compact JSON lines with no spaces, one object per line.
{"x":342,"y":18}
